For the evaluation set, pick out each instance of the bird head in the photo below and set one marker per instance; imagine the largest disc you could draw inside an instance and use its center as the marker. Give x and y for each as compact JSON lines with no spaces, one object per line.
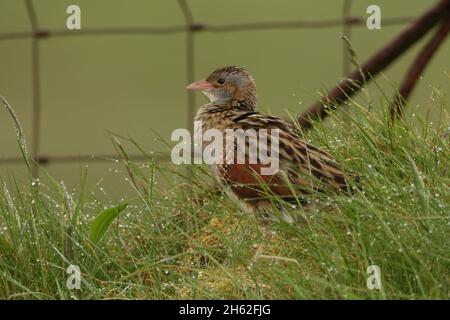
{"x":228,"y":84}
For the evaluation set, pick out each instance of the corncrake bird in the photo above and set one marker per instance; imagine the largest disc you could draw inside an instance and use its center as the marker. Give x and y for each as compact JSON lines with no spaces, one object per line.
{"x":303,"y":168}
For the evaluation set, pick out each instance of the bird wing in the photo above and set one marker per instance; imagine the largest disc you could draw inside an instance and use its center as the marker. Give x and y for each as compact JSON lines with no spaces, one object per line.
{"x":303,"y":163}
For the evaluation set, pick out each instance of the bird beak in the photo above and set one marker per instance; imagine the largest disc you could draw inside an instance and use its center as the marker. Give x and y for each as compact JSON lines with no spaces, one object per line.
{"x":199,"y":85}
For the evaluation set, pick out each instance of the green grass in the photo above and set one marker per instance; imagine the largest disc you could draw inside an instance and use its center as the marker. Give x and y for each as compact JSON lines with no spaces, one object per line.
{"x":178,"y":238}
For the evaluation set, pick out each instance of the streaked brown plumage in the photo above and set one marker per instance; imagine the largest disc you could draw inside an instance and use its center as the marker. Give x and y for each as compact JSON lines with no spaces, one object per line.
{"x":303,"y":168}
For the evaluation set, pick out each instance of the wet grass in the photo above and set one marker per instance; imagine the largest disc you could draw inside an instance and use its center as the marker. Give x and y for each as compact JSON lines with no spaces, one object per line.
{"x":179,"y":238}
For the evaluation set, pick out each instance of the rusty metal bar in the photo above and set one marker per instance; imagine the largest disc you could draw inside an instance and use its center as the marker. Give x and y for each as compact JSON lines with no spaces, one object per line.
{"x":418,"y":66}
{"x":375,"y":64}
{"x":195,"y":27}
{"x":47,"y":160}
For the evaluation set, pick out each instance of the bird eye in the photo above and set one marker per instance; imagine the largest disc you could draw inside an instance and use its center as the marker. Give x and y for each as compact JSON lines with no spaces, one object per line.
{"x":221,"y":81}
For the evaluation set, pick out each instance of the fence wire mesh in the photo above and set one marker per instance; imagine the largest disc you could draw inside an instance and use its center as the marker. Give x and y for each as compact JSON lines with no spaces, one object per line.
{"x":190,"y":28}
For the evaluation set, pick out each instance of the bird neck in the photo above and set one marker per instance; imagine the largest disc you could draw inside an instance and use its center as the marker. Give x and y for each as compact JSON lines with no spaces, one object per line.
{"x":246,"y":99}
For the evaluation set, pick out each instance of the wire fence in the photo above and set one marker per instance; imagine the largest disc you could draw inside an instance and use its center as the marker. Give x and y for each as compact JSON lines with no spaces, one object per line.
{"x":190,"y":28}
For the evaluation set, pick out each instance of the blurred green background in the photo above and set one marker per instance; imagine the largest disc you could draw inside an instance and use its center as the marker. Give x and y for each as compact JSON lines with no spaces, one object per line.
{"x":134,"y":84}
